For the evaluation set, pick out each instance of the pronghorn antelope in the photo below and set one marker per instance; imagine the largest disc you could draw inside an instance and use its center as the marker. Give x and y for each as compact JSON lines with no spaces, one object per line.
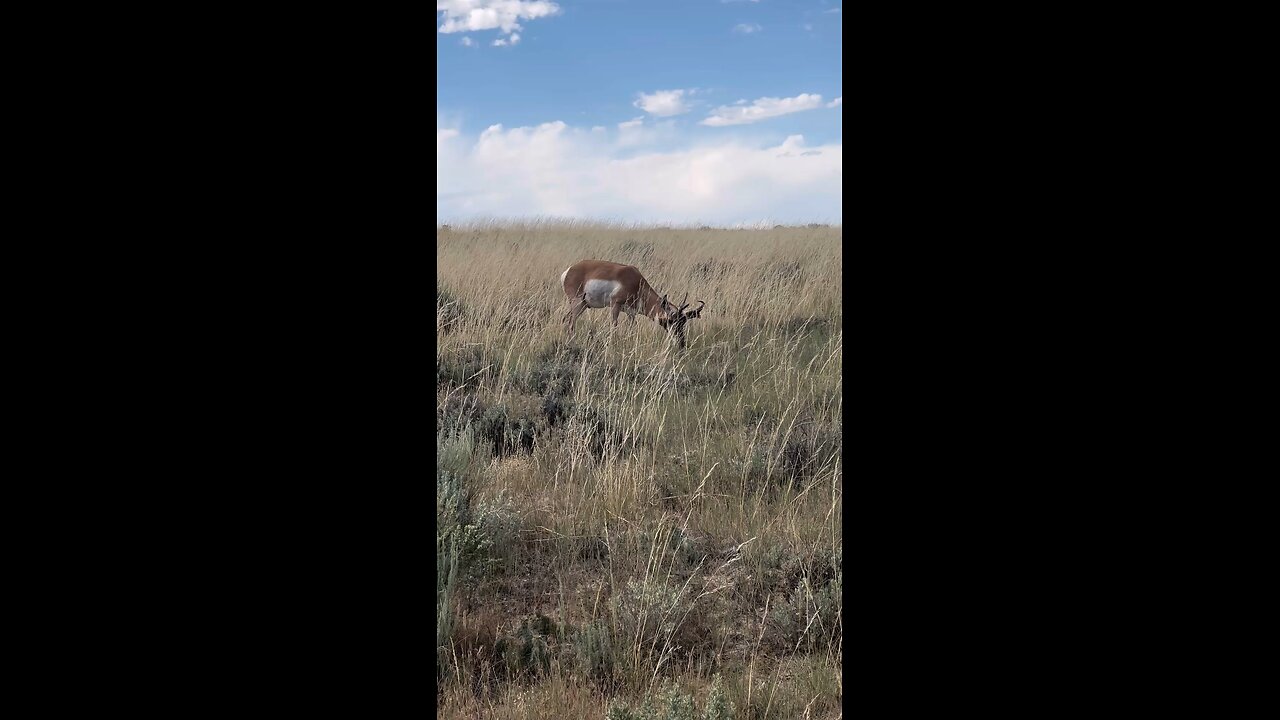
{"x":598,"y":284}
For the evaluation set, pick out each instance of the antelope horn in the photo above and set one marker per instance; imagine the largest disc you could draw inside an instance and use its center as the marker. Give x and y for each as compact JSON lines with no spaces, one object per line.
{"x":683,"y":304}
{"x":701,"y":304}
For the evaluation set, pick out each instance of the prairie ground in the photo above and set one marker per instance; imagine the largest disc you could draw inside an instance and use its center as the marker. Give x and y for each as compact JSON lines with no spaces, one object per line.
{"x":627,"y":530}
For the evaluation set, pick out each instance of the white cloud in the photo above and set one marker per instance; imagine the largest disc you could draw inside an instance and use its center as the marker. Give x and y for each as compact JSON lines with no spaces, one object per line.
{"x":515,"y":38}
{"x":467,"y":42}
{"x":808,"y":26}
{"x":747,"y":28}
{"x":641,"y":132}
{"x":470,"y":15}
{"x":557,"y":170}
{"x":836,"y":102}
{"x":761,"y":109}
{"x":664,"y":103}
{"x":832,"y":10}
{"x":443,"y":136}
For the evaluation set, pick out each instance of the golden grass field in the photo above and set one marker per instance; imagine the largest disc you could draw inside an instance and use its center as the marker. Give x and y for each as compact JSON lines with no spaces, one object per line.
{"x":625,"y":530}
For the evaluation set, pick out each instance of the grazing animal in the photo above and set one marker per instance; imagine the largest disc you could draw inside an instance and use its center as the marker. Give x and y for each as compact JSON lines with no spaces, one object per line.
{"x":600,"y":284}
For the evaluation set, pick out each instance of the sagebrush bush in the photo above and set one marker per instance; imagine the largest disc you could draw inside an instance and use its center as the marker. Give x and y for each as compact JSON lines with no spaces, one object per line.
{"x":718,"y":707}
{"x":472,"y":540}
{"x":509,"y":429}
{"x":457,"y":411}
{"x":678,"y":705}
{"x":810,"y":448}
{"x":594,"y":652}
{"x":528,"y":651}
{"x":807,"y":618}
{"x":456,"y":525}
{"x":447,"y":558}
{"x":651,"y":610}
{"x":670,"y":703}
{"x":552,"y":371}
{"x":468,"y":366}
{"x":455,"y":454}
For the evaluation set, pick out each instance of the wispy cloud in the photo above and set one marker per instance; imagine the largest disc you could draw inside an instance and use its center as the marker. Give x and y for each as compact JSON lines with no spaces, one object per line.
{"x":795,"y":143}
{"x":836,"y":102}
{"x":515,"y":38}
{"x":466,"y":42}
{"x":555,"y":169}
{"x":762,"y":109}
{"x":644,"y":132}
{"x":443,"y":136}
{"x":664,"y":103}
{"x":832,"y":10}
{"x":747,"y":28}
{"x":470,"y":15}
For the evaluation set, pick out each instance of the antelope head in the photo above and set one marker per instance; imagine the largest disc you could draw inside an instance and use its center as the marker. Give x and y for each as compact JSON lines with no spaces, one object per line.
{"x":675,"y":318}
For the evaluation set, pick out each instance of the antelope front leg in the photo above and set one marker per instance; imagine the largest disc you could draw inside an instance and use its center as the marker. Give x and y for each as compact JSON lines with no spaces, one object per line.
{"x":617,"y":308}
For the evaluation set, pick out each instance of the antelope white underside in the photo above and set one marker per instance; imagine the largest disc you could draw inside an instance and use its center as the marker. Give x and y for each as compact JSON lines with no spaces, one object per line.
{"x":600,"y":292}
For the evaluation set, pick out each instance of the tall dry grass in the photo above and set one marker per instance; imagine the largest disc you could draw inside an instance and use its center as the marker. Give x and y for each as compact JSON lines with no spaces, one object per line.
{"x":623,"y":519}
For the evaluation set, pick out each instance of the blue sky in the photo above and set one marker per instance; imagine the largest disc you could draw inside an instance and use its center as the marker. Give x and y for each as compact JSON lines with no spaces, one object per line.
{"x":656,"y":111}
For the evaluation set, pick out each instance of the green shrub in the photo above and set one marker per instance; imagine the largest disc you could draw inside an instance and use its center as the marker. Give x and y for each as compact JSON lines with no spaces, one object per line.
{"x":447,"y":558}
{"x":508,"y":429}
{"x":718,"y":707}
{"x":553,"y":371}
{"x":619,"y":710}
{"x":556,"y":408}
{"x":678,"y":705}
{"x":604,"y":437}
{"x":527,"y":652}
{"x":752,"y":465}
{"x":456,"y":529}
{"x":460,"y":409}
{"x":806,"y":621}
{"x":467,"y":366}
{"x":593,"y":650}
{"x":455,"y":451}
{"x":672,"y":704}
{"x":809,"y":450}
{"x":687,"y":547}
{"x":477,"y":537}
{"x":648,"y":611}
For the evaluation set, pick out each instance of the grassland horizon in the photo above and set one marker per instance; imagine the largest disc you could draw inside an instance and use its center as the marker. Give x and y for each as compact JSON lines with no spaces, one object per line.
{"x":625,"y":530}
